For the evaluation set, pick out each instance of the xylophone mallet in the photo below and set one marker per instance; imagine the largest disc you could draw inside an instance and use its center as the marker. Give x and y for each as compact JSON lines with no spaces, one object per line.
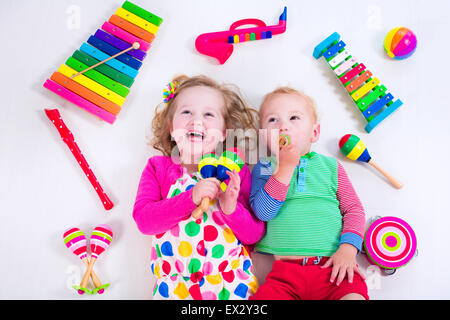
{"x":135,"y":46}
{"x":100,"y":240}
{"x":353,"y":148}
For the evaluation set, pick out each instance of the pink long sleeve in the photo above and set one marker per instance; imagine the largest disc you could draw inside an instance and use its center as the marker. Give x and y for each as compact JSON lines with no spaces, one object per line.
{"x":153,"y":213}
{"x":246,"y":227}
{"x":351,"y":208}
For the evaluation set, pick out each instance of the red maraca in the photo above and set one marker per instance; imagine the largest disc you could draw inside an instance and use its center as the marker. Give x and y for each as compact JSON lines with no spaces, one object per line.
{"x":100,"y":240}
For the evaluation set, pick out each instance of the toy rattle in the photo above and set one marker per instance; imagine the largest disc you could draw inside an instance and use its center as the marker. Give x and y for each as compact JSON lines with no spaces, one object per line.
{"x":390,"y":243}
{"x":68,"y":138}
{"x":284,"y":140}
{"x":208,"y":169}
{"x":100,"y":240}
{"x":219,"y":45}
{"x":231,"y":159}
{"x":75,"y":241}
{"x":353,"y":148}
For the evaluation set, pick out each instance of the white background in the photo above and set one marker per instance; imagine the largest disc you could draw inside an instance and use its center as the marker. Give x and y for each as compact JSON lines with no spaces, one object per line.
{"x":43,"y":191}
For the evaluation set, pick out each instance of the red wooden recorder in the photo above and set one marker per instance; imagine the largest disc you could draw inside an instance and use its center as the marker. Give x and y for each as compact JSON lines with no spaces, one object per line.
{"x":68,"y":138}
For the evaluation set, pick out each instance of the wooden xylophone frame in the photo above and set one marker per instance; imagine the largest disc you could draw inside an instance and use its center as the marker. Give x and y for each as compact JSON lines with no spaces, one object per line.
{"x":371,"y":97}
{"x":103,"y":89}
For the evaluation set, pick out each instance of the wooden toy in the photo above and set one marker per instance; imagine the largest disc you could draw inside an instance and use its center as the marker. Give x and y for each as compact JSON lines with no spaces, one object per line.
{"x":100,"y":240}
{"x":219,"y":45}
{"x":371,"y":97}
{"x":75,"y":241}
{"x":231,"y":159}
{"x":353,"y":148}
{"x":283,"y":140}
{"x":208,"y":169}
{"x":98,"y":76}
{"x":68,"y":138}
{"x":400,"y":43}
{"x":390,"y":243}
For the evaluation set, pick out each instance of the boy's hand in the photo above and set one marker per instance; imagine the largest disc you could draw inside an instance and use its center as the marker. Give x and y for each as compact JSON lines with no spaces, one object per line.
{"x":205,"y":188}
{"x":228,"y":199}
{"x":288,"y":159}
{"x":344,"y":262}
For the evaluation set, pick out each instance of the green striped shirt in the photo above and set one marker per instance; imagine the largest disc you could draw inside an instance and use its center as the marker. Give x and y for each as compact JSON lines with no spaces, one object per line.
{"x":309,"y":222}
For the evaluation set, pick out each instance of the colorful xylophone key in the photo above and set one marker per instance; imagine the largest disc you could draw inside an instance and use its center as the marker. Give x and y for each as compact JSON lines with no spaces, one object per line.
{"x":99,"y":74}
{"x":365,"y":89}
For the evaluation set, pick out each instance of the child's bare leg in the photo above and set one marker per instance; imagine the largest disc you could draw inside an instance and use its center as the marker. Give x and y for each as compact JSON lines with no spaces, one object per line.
{"x":353,"y":296}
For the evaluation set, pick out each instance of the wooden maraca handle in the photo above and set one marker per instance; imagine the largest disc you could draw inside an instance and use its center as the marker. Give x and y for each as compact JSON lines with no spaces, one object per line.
{"x":94,"y":277}
{"x":204,"y":205}
{"x":85,"y":279}
{"x":391,"y":179}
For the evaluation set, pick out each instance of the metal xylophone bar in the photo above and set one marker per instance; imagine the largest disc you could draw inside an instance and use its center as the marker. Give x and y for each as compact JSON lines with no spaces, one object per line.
{"x":371,"y":97}
{"x":103,"y":89}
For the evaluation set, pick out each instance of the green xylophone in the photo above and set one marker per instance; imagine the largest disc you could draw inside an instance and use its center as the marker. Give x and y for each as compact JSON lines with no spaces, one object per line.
{"x":371,"y":97}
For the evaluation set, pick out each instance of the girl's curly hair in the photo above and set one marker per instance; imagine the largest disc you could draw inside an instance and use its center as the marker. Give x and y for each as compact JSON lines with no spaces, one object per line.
{"x":237,"y":114}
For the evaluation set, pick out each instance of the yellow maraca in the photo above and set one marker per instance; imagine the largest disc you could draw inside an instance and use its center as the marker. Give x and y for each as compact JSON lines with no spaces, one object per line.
{"x":353,"y":148}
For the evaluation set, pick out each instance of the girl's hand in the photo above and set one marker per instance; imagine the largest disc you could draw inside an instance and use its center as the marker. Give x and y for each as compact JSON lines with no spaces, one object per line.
{"x":205,"y":188}
{"x":344,"y":262}
{"x":228,"y":199}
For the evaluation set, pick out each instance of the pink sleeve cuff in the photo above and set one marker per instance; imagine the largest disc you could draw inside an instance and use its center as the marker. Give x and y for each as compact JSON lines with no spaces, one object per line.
{"x":276,"y":189}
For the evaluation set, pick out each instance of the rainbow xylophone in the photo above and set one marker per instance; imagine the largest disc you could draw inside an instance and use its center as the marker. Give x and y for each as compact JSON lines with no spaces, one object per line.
{"x":103,"y":89}
{"x":371,"y":97}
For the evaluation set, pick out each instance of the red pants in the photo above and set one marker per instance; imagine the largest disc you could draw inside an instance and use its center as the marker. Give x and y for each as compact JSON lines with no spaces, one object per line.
{"x":290,"y":280}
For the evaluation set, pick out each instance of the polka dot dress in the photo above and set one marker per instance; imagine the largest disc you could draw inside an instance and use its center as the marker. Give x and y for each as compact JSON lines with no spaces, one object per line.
{"x":200,"y":259}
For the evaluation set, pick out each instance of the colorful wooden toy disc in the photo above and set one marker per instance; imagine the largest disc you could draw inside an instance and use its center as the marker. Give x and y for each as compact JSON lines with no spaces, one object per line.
{"x":390,"y":242}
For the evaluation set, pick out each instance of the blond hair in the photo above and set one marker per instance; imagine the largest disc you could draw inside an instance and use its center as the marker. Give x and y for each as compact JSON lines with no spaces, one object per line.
{"x":290,"y":90}
{"x":237,"y":114}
